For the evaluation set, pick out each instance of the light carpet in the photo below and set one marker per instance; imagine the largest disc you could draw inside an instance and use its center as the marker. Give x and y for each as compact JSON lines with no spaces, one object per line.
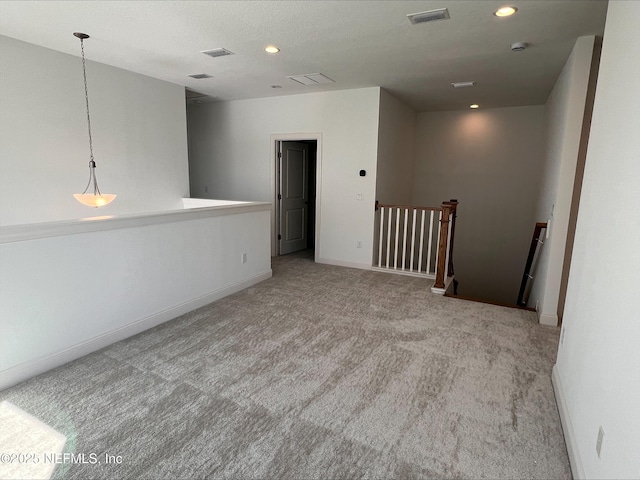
{"x":28,"y":447}
{"x":321,"y":372}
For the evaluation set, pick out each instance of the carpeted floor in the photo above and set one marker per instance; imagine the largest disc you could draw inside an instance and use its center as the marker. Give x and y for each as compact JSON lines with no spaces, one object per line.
{"x":321,"y":372}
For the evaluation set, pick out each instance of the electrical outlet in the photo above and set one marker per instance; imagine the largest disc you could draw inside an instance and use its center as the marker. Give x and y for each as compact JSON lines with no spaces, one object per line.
{"x":206,"y":189}
{"x":537,"y":302}
{"x":359,"y":196}
{"x":358,"y":244}
{"x":562,"y":336}
{"x":599,"y":441}
{"x":243,"y":259}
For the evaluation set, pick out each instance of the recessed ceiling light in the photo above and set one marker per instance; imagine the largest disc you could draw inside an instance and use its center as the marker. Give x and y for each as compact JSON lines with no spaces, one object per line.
{"x":271,"y":49}
{"x":475,"y":105}
{"x":505,"y":11}
{"x":199,"y":76}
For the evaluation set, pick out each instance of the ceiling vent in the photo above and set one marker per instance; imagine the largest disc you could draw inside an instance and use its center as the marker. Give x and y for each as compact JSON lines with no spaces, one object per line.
{"x":199,"y":76}
{"x":217,"y":52}
{"x":429,"y":16}
{"x":463,"y":84}
{"x":311,"y":79}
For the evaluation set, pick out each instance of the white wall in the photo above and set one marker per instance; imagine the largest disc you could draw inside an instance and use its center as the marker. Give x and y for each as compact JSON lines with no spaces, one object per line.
{"x":490,"y":160}
{"x":597,"y":375}
{"x":396,"y":151}
{"x":139,"y":137}
{"x":64,"y":296}
{"x":564,"y":111}
{"x":230,"y":152}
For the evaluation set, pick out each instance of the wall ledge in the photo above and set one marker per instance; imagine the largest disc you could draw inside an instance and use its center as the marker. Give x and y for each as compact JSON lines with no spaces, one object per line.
{"x":33,"y":231}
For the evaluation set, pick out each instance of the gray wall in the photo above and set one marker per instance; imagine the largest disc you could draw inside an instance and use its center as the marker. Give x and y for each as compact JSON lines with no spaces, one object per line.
{"x":231,"y":153}
{"x":139,"y":137}
{"x":396,"y":151}
{"x":490,"y":160}
{"x":564,"y":114}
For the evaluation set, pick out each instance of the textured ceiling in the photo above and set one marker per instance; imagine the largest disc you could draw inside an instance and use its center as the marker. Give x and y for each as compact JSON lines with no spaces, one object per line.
{"x":356,"y":43}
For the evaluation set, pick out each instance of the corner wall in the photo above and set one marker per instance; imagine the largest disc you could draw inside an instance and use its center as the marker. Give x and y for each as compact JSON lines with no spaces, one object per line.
{"x":230,"y":154}
{"x":139,"y":137}
{"x":490,"y":160}
{"x":597,"y":374}
{"x":396,"y":151}
{"x":564,"y":111}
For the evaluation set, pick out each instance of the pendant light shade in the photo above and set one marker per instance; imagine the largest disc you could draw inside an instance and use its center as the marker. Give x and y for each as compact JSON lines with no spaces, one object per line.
{"x":95,"y":199}
{"x":92,"y":200}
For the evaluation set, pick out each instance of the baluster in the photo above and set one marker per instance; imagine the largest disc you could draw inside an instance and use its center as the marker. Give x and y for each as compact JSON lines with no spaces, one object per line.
{"x":404,"y":239}
{"x":389,"y":235}
{"x":381,"y":237}
{"x":421,"y":242}
{"x":395,"y":258}
{"x":413,"y":238}
{"x":430,"y":243}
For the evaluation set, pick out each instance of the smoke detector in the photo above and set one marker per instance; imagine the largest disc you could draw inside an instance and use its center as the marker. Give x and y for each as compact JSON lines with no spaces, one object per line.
{"x":429,"y":16}
{"x":518,"y":46}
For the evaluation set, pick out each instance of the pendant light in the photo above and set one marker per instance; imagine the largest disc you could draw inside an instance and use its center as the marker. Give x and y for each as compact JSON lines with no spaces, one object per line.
{"x":95,"y":199}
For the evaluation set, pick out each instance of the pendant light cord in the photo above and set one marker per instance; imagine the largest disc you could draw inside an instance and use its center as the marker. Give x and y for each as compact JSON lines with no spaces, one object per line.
{"x":86,"y":97}
{"x":96,"y":199}
{"x":92,"y":163}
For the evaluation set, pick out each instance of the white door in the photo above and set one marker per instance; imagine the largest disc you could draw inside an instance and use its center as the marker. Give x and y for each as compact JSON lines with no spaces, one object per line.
{"x":293,"y":196}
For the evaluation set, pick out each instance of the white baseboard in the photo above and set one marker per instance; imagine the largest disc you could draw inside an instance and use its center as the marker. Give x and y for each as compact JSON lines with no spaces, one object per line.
{"x":447,"y":283}
{"x":342,"y":263}
{"x":550,"y":319}
{"x":26,"y":370}
{"x":406,"y":273}
{"x":577,"y":468}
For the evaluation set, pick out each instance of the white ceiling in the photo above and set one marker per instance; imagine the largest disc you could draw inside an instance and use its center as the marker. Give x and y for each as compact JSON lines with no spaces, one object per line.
{"x":356,"y":43}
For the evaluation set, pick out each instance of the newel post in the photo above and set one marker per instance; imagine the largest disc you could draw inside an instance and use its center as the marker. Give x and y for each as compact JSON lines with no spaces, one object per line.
{"x":454,"y":214}
{"x":442,"y":245}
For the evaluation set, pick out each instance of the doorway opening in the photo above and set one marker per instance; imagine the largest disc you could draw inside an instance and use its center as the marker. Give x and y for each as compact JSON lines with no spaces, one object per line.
{"x":295,"y":222}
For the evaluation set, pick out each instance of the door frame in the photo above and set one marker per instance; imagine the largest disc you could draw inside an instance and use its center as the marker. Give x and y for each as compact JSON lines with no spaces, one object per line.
{"x":273,"y":144}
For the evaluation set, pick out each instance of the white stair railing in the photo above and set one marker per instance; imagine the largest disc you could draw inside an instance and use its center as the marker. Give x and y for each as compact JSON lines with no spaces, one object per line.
{"x":406,"y":238}
{"x":410,"y":240}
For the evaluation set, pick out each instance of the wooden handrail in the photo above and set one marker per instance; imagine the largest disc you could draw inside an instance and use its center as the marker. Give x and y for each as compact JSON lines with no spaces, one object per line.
{"x":535,"y":239}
